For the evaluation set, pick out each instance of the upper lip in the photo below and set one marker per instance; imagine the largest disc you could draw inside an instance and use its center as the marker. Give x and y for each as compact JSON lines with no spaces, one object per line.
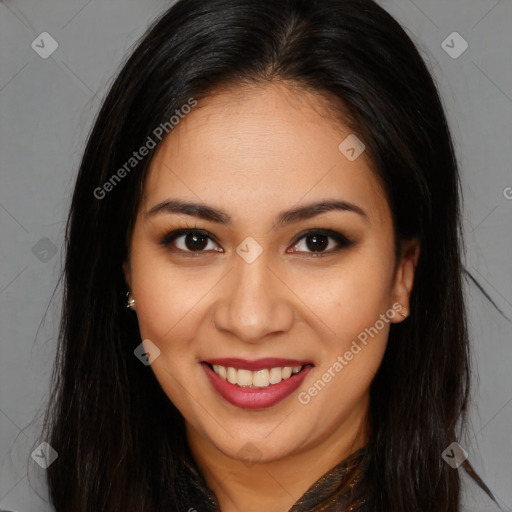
{"x":256,"y":364}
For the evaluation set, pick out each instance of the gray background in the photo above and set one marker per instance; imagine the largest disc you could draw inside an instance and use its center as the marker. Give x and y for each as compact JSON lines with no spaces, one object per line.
{"x":47,"y":107}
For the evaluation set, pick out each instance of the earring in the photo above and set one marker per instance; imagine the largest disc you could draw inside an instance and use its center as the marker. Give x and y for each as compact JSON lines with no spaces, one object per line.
{"x":406,"y":314}
{"x":130,"y":303}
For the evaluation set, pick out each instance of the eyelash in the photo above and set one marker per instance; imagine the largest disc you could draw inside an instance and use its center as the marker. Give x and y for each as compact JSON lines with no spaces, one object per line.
{"x":342,"y":241}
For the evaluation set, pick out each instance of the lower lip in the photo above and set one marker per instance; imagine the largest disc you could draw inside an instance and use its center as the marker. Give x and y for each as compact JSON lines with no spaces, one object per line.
{"x":255,"y":398}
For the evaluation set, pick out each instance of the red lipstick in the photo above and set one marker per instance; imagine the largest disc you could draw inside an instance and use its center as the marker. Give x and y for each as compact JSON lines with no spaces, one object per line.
{"x":255,"y":398}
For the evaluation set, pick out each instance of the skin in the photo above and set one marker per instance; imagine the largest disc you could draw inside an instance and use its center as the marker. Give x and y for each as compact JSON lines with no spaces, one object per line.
{"x":254,"y":152}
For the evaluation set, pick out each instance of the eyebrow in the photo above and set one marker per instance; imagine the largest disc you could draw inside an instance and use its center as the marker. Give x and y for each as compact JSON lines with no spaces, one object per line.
{"x":286,"y":217}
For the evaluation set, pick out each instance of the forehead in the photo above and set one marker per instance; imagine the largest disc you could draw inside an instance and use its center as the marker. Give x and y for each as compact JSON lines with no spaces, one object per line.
{"x":265,"y":146}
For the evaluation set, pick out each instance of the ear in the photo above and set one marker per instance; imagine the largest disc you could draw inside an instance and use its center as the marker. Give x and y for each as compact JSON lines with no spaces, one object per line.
{"x":404,"y":278}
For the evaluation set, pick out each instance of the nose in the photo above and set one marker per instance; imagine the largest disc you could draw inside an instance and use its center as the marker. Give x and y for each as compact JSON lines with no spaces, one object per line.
{"x":254,"y":302}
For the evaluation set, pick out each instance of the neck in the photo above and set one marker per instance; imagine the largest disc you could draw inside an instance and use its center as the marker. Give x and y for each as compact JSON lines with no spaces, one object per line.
{"x":274,"y":485}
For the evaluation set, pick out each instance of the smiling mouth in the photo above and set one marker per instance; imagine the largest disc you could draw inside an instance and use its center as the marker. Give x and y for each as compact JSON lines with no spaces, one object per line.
{"x":258,"y":379}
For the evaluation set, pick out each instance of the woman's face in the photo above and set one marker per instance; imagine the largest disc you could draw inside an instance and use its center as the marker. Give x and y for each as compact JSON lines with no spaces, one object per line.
{"x":277,"y":275}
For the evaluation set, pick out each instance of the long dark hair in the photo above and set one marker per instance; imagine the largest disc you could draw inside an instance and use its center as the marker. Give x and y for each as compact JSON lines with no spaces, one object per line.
{"x":119,"y":438}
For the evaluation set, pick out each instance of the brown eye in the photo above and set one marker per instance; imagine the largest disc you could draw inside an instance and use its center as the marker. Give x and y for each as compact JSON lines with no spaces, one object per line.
{"x":321,"y":242}
{"x":189,"y":240}
{"x":317,"y":242}
{"x":195,"y":241}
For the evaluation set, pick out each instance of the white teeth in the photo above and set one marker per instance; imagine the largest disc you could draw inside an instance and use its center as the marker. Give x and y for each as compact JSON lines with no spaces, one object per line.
{"x":258,"y":379}
{"x":287,"y":372}
{"x":231,"y":375}
{"x":276,"y":375}
{"x":244,"y":378}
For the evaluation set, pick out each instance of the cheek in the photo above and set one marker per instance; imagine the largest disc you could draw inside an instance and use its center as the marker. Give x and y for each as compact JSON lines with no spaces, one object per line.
{"x":169,"y":304}
{"x":353,"y":301}
{"x":352,"y":295}
{"x":351,"y":349}
{"x":167,"y":297}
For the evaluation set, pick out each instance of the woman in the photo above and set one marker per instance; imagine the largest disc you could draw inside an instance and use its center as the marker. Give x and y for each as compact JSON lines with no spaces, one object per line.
{"x":272,"y":189}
